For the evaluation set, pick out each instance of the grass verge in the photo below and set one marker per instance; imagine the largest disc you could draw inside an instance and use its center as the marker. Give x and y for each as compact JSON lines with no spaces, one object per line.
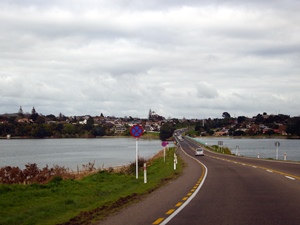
{"x":86,"y":200}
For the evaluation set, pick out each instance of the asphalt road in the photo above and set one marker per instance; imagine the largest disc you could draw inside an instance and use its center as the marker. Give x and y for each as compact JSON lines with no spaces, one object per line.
{"x":244,"y":191}
{"x":236,"y":190}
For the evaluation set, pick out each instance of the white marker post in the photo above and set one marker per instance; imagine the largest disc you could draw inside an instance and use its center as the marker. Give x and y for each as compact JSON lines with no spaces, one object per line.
{"x":145,"y":173}
{"x":284,"y":156}
{"x":237,"y":150}
{"x":175,"y":161}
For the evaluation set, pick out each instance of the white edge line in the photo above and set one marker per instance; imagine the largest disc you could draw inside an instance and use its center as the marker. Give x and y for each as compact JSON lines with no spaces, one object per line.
{"x":290,"y":178}
{"x":190,"y":198}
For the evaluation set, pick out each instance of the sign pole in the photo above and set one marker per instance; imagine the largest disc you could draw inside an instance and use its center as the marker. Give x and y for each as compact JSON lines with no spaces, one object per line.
{"x":137,"y":159}
{"x":164,"y":144}
{"x":136,"y":131}
{"x":277,"y":144}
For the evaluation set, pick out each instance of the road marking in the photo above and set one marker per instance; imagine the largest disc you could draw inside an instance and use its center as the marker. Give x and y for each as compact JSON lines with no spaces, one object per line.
{"x":158,"y":221}
{"x":178,"y":204}
{"x":292,"y":178}
{"x":200,"y":183}
{"x":185,"y":198}
{"x":170,"y":211}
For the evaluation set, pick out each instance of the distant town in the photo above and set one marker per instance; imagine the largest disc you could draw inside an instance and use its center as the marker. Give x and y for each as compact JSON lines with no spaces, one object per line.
{"x":37,"y":125}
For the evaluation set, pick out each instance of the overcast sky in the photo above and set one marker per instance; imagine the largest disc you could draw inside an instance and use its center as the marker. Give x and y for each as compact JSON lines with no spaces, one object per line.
{"x":180,"y":58}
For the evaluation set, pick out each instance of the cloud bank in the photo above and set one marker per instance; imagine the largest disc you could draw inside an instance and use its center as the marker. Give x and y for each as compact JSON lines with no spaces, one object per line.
{"x":179,"y":58}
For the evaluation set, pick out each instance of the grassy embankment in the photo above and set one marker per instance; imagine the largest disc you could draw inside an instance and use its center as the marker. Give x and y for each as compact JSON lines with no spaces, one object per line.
{"x":86,"y":200}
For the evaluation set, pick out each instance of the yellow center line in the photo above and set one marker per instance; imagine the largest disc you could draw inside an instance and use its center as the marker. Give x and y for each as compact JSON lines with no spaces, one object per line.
{"x":158,"y":221}
{"x":178,"y":204}
{"x":170,"y":211}
{"x":263,"y":168}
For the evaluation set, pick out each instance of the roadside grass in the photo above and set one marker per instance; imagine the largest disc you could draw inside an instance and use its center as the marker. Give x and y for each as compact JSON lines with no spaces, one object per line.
{"x":224,"y":150}
{"x":83,"y":201}
{"x":150,"y":135}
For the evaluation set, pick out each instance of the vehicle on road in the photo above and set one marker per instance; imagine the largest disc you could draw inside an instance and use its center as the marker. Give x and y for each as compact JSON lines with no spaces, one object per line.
{"x":199,"y":152}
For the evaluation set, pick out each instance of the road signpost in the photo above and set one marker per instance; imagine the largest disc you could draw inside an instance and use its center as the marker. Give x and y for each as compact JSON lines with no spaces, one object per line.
{"x":164,"y":144}
{"x":136,"y":131}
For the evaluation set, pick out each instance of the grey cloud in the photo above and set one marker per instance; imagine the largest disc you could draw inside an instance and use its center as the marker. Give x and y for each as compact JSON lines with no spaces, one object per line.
{"x":179,"y":58}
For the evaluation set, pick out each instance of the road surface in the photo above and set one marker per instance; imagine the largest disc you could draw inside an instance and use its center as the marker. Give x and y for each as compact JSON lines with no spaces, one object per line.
{"x":235,"y":190}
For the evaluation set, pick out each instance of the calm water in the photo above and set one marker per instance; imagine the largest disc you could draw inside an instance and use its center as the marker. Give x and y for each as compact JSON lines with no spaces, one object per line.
{"x":264,"y":147}
{"x":71,"y":153}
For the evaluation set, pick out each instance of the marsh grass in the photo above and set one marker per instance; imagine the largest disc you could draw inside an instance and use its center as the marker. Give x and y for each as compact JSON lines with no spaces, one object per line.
{"x":91,"y":198}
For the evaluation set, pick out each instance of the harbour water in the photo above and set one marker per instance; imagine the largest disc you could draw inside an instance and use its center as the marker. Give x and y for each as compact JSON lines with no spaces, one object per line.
{"x":110,"y":152}
{"x":73,"y":153}
{"x":252,"y":147}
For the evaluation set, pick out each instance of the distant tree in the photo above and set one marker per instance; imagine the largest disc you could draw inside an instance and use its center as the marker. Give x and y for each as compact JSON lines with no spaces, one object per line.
{"x":34,"y":115}
{"x":33,"y":111}
{"x":98,"y":131}
{"x":226,"y":115}
{"x":90,"y":121}
{"x":40,"y":119}
{"x":59,"y":127}
{"x":20,"y":113}
{"x":61,"y":117}
{"x":259,"y":119}
{"x":51,"y":117}
{"x":12,"y":119}
{"x":270,"y":132}
{"x":241,"y":119}
{"x":89,"y":124}
{"x":293,"y":127}
{"x":69,"y":129}
{"x":39,"y":131}
{"x":238,"y":133}
{"x":166,"y":131}
{"x":197,"y":127}
{"x":150,"y":114}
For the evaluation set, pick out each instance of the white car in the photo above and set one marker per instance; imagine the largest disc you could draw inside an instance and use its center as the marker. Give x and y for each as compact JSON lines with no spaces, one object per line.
{"x":199,"y":151}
